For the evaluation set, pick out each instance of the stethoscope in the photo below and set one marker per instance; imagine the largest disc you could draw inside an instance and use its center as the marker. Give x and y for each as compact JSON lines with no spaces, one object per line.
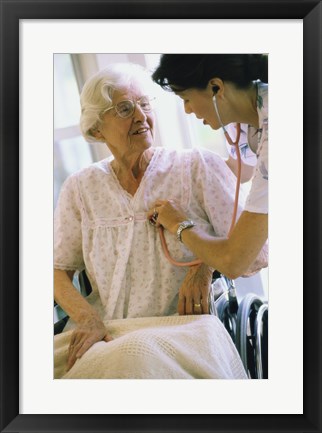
{"x":233,"y":221}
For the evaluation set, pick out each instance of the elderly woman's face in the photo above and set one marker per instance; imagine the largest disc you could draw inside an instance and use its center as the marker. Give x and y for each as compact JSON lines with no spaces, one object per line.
{"x":134,"y":133}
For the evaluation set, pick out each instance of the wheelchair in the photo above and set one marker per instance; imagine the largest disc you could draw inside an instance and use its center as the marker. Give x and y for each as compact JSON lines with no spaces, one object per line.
{"x":246,"y":322}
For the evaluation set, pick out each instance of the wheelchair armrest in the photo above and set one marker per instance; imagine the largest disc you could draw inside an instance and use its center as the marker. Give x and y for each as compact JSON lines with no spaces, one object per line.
{"x":60,"y":325}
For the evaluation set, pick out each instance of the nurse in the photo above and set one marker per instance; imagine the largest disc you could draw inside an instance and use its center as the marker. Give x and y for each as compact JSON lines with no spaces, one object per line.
{"x":222,"y":89}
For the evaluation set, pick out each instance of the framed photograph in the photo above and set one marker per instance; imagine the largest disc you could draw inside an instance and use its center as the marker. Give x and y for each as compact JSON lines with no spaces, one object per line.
{"x":32,"y":33}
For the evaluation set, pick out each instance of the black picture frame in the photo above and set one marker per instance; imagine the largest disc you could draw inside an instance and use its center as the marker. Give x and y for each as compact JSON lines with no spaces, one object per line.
{"x":11,"y":12}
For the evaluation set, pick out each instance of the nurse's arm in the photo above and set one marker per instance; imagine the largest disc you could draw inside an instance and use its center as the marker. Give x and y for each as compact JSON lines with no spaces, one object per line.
{"x":231,"y":256}
{"x":247,"y":171}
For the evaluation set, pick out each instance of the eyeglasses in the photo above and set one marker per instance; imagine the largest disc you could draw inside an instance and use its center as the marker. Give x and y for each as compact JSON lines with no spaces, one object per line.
{"x":126,"y":108}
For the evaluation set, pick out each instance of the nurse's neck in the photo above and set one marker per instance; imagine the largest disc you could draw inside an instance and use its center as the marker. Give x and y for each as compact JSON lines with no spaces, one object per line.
{"x":243,"y":104}
{"x":248,"y":101}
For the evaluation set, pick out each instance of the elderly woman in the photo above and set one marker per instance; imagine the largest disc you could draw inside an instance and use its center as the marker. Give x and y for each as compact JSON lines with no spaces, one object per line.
{"x":101,"y":226}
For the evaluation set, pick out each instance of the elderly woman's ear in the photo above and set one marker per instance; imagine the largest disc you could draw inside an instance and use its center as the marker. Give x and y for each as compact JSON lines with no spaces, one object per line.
{"x":95,"y":132}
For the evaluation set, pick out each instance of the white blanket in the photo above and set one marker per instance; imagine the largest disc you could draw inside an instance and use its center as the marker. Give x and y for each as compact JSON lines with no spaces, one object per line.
{"x":174,"y":347}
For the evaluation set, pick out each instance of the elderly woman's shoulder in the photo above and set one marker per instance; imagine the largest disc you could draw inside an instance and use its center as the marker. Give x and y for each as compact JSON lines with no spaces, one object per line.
{"x":198,"y":156}
{"x":206,"y":156}
{"x":195,"y":153}
{"x":98,"y":168}
{"x":84,"y":176}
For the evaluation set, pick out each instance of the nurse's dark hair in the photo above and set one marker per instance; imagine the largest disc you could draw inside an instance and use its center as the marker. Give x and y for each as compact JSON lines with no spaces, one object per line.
{"x":185,"y":71}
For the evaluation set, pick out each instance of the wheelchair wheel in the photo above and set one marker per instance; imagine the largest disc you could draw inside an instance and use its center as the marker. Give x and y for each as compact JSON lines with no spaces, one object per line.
{"x":261,"y":327}
{"x":246,"y":332}
{"x":225,"y":316}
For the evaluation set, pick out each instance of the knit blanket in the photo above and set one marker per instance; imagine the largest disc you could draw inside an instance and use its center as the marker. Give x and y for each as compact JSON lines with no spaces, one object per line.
{"x":173,"y":347}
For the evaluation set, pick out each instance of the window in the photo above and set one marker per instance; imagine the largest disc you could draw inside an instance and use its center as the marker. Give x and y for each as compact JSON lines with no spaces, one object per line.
{"x":71,"y":152}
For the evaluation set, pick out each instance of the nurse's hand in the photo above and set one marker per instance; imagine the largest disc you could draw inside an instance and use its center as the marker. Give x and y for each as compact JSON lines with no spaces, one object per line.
{"x":84,"y":336}
{"x":167,"y":213}
{"x":194,"y":291}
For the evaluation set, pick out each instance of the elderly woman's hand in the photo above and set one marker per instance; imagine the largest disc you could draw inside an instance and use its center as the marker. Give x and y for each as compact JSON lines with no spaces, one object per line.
{"x":167,"y":213}
{"x":84,"y":336}
{"x":194,"y":291}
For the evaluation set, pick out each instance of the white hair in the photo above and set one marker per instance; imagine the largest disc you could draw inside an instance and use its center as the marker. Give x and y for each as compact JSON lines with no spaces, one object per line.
{"x":98,"y":90}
